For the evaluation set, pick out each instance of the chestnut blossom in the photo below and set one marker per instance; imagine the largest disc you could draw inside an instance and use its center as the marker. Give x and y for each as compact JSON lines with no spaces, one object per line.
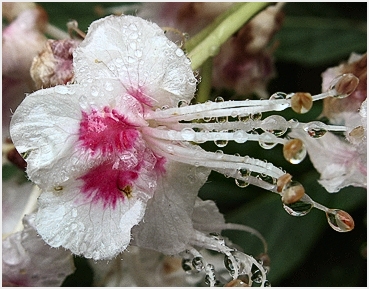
{"x":29,"y":262}
{"x":115,"y":152}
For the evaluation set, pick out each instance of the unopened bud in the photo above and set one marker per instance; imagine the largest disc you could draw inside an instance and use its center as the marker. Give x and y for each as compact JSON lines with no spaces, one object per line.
{"x":301,"y":102}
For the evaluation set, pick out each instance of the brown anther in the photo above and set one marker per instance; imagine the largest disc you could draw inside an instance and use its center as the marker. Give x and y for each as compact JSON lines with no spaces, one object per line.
{"x":356,"y":135}
{"x":347,"y":84}
{"x":236,"y":283}
{"x":345,"y":221}
{"x":127,"y":191}
{"x":292,"y":148}
{"x":292,"y":193}
{"x":264,"y":257}
{"x":282,"y":181}
{"x":301,"y":102}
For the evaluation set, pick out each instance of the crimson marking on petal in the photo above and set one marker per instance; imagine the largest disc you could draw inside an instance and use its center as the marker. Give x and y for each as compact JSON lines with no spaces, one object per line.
{"x":103,"y":183}
{"x":140,"y":96}
{"x":106,"y":131}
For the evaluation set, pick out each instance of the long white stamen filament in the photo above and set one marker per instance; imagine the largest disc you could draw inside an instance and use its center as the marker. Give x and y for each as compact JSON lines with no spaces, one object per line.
{"x":212,"y":160}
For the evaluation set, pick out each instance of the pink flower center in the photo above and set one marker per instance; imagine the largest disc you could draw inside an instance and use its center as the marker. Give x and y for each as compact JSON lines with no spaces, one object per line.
{"x":123,"y":158}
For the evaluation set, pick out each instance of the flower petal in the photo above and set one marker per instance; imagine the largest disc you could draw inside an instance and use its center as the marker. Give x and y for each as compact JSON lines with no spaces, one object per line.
{"x":88,"y":228}
{"x":45,"y":127}
{"x":27,"y":261}
{"x":167,"y":224}
{"x":151,"y":68}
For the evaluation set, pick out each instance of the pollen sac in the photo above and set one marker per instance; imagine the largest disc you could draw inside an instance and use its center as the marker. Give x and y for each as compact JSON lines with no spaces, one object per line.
{"x":343,"y":85}
{"x":340,"y":221}
{"x":282,"y":181}
{"x":294,"y":151}
{"x":301,"y":102}
{"x":292,"y":192}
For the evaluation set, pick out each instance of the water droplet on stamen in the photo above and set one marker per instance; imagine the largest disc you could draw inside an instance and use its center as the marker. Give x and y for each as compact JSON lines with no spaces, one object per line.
{"x":179,"y":52}
{"x":182,"y":103}
{"x":244,"y":118}
{"x":198,"y":264}
{"x":240,"y":136}
{"x":298,"y":208}
{"x":221,"y":119}
{"x":315,"y":129}
{"x":256,"y":116}
{"x":278,"y":96}
{"x":221,"y":143}
{"x":186,"y":265}
{"x":340,"y":221}
{"x":219,"y":99}
{"x":188,"y":134}
{"x":292,"y":192}
{"x":294,"y":151}
{"x":267,"y":140}
{"x":343,"y":85}
{"x":274,"y":124}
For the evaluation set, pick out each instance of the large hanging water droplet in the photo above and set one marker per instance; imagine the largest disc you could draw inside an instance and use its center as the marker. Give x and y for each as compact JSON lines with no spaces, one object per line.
{"x":274,"y":124}
{"x":315,"y":129}
{"x":294,"y":151}
{"x":343,"y":85}
{"x":339,"y":220}
{"x":298,"y":209}
{"x":267,"y":140}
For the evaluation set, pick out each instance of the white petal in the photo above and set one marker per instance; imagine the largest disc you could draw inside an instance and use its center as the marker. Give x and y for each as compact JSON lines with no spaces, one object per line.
{"x":28,"y":261}
{"x":203,"y":212}
{"x":167,"y":224}
{"x":135,"y":51}
{"x":87,"y":228}
{"x":47,"y":123}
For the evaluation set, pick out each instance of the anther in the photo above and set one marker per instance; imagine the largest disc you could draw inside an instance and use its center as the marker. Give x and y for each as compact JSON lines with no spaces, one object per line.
{"x":282,"y":181}
{"x":292,"y":192}
{"x":345,"y":85}
{"x":301,"y":102}
{"x":294,"y":151}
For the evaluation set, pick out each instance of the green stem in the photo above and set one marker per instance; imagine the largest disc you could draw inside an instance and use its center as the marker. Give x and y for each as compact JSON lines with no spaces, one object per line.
{"x":210,"y":45}
{"x":204,"y":88}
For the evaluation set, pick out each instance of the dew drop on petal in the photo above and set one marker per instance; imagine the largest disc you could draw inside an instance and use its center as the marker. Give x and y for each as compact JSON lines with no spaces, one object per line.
{"x":179,"y":52}
{"x":108,"y":86}
{"x":339,"y":220}
{"x":61,"y":89}
{"x":188,"y":134}
{"x":94,"y":91}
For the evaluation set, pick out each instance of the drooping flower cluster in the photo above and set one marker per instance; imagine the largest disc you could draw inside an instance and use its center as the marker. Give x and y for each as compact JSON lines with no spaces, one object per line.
{"x":115,"y":152}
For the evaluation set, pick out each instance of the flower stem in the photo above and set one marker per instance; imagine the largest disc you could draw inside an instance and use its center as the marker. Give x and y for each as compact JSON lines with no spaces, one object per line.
{"x":210,"y":45}
{"x":205,"y":84}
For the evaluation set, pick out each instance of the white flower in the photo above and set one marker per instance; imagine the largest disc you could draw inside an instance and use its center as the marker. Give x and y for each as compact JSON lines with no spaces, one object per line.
{"x":114,"y":152}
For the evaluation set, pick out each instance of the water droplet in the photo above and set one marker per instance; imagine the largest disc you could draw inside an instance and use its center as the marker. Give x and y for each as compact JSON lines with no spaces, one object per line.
{"x":198,"y":264}
{"x":94,"y":91}
{"x":74,"y":226}
{"x":214,"y":50}
{"x":315,"y":129}
{"x":109,"y":86}
{"x":188,"y":134}
{"x":244,"y":118}
{"x":241,"y":183}
{"x":298,"y":208}
{"x":58,"y":188}
{"x":294,"y":151}
{"x":292,"y":192}
{"x":186,"y":265}
{"x":132,"y":26}
{"x":274,"y":124}
{"x":219,"y":99}
{"x":294,"y":123}
{"x":256,"y":116}
{"x":182,"y":103}
{"x":74,"y":212}
{"x":267,"y":284}
{"x":278,"y":96}
{"x":221,"y":119}
{"x":229,"y":265}
{"x":179,"y":52}
{"x":138,"y":53}
{"x":339,"y":220}
{"x":240,"y":136}
{"x":210,"y":275}
{"x":61,"y":89}
{"x":221,"y":143}
{"x":267,"y":140}
{"x":343,"y":85}
{"x":256,"y":276}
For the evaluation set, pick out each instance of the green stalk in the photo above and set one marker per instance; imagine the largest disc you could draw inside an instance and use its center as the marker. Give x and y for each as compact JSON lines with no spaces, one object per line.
{"x":204,"y":88}
{"x":210,"y":45}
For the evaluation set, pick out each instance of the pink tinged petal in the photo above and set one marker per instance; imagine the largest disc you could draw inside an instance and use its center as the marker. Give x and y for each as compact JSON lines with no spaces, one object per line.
{"x":28,"y":261}
{"x":338,"y":162}
{"x":137,"y":53}
{"x":94,"y":230}
{"x":167,"y":224}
